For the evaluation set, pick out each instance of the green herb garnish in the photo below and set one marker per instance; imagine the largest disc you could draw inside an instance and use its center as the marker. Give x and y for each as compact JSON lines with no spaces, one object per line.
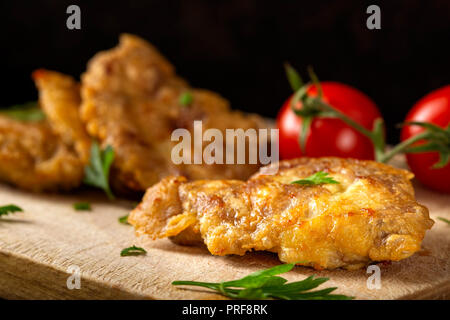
{"x":97,"y":172}
{"x":186,"y":99}
{"x":444,"y":220}
{"x":132,"y":251}
{"x":317,"y":179}
{"x":80,"y":206}
{"x":29,"y":111}
{"x":265,"y":284}
{"x":124,"y":219}
{"x":10,"y":208}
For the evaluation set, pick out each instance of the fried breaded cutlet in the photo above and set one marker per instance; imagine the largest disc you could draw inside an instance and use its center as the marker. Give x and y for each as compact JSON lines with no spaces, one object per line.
{"x":59,"y":98}
{"x":371,"y":215}
{"x":131,"y":101}
{"x":48,"y":155}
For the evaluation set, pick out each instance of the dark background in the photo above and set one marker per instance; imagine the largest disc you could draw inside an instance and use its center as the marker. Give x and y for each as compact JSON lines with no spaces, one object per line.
{"x":237,"y":48}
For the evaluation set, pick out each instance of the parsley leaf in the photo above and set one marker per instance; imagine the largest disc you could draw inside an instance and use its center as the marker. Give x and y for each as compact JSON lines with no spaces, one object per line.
{"x":265,"y":284}
{"x":132,"y":251}
{"x":10,"y":208}
{"x":444,"y":220}
{"x":317,"y":179}
{"x":29,"y":111}
{"x":186,"y":99}
{"x":124,"y":219}
{"x":97,"y":172}
{"x":80,"y":206}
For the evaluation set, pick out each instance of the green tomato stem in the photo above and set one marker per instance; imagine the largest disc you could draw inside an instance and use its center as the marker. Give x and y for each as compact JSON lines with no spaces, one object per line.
{"x":376,"y":136}
{"x":401,"y":147}
{"x":315,"y":106}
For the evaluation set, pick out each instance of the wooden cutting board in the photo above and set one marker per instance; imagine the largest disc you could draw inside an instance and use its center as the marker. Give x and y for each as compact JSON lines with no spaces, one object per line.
{"x":39,"y":245}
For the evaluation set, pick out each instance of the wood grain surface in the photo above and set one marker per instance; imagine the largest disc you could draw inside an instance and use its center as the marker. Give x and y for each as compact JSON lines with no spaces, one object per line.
{"x":38,"y":246}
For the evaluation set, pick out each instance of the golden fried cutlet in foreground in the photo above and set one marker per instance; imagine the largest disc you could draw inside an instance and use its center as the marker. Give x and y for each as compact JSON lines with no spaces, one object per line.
{"x":371,"y":215}
{"x":48,"y":155}
{"x":131,"y":101}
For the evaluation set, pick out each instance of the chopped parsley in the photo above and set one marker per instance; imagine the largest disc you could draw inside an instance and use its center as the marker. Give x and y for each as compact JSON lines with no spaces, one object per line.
{"x":317,"y":178}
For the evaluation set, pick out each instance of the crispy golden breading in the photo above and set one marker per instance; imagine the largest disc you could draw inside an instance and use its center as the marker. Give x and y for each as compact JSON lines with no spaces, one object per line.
{"x":59,"y":97}
{"x":48,"y":155}
{"x":371,"y":215}
{"x":33,"y":157}
{"x":131,"y":101}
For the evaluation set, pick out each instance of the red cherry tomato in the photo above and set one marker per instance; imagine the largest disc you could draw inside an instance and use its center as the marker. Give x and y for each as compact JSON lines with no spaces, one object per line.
{"x":434,"y":108}
{"x":327,"y":136}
